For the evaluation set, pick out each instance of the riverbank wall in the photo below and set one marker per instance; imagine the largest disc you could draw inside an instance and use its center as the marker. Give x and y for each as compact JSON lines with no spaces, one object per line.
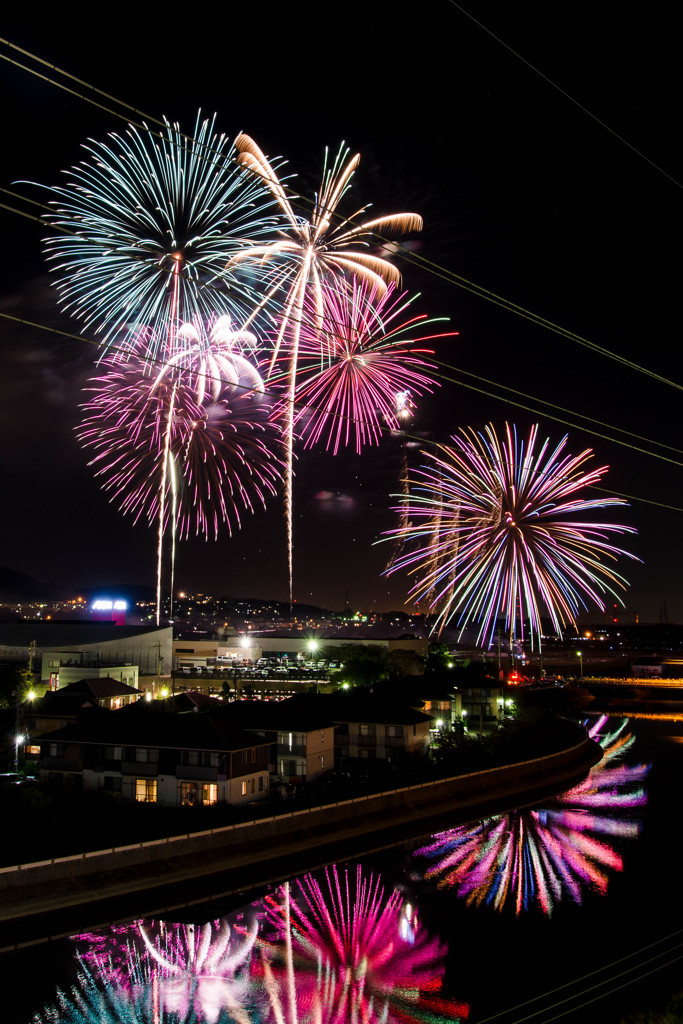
{"x":97,"y":887}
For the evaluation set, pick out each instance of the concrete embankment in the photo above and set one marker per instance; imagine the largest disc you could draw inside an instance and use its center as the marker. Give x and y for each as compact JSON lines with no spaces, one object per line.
{"x":67,"y":894}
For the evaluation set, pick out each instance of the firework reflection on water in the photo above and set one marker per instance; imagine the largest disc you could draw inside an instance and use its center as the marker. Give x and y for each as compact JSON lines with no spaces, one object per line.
{"x":539,"y":857}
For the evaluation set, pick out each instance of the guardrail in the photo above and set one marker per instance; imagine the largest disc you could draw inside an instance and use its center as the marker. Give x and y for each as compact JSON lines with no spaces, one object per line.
{"x":168,"y":841}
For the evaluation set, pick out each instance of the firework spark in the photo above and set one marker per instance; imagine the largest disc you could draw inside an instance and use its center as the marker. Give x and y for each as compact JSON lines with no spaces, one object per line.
{"x":539,"y":857}
{"x":308,"y":253}
{"x":147,"y":224}
{"x":352,"y":953}
{"x":495,"y":527}
{"x":200,"y":411}
{"x":373,"y":369}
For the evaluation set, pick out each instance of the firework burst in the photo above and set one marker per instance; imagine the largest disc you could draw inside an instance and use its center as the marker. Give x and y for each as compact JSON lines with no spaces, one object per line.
{"x":496,"y":527}
{"x":147,"y":224}
{"x":373,"y":369}
{"x":310,"y":252}
{"x":221,"y":445}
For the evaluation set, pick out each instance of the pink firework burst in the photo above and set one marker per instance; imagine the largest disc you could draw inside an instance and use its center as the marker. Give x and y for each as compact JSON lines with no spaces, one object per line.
{"x":359,"y":366}
{"x":189,"y":443}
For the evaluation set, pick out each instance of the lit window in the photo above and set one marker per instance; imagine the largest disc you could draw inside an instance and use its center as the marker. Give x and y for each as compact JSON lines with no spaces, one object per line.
{"x":210,"y":794}
{"x":146,"y":791}
{"x":244,"y":788}
{"x":188,"y":794}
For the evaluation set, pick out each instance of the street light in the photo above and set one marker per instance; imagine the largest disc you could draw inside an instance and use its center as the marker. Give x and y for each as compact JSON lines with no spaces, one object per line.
{"x":17,"y":740}
{"x":579,"y":655}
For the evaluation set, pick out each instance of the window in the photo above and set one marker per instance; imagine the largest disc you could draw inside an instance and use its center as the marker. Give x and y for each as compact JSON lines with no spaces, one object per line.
{"x":210,"y":794}
{"x":188,"y":794}
{"x":395,"y":731}
{"x":32,"y":750}
{"x":366,"y":730}
{"x":253,"y":754}
{"x":113,"y":753}
{"x":260,"y":784}
{"x":112,"y":783}
{"x":56,"y":750}
{"x":244,"y":788}
{"x":146,"y":791}
{"x":144,"y":755}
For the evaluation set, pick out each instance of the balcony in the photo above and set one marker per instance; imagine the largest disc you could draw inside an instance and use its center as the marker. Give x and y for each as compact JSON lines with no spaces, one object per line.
{"x":293,"y":750}
{"x":197,"y":772}
{"x":59,"y":764}
{"x":143,"y":769}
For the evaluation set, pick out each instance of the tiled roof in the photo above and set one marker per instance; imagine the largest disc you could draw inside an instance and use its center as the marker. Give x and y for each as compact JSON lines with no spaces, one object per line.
{"x":186,"y":731}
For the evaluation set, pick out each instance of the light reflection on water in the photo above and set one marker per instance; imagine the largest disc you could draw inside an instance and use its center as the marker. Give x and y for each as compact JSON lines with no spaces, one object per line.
{"x":538,"y":857}
{"x":336,"y":947}
{"x":344,"y":946}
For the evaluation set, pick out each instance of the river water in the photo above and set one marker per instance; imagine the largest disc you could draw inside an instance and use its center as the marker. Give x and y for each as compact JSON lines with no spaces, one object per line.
{"x":566,"y":911}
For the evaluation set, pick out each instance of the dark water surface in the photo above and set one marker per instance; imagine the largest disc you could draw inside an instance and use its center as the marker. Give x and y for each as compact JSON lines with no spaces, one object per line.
{"x":573,"y":896}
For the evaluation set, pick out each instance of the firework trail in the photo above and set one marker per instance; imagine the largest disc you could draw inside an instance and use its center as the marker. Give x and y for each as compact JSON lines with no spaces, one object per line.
{"x":496,"y":527}
{"x":372,"y":369}
{"x":349,"y":954}
{"x":190,"y":445}
{"x":147,"y":224}
{"x":308,"y":253}
{"x":536,"y":858}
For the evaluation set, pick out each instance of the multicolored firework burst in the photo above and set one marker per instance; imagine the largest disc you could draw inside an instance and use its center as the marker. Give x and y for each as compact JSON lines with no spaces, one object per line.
{"x":536,"y":858}
{"x":190,"y":446}
{"x":350,"y":953}
{"x":309,"y":253}
{"x":372,"y":367}
{"x":147,"y":225}
{"x":495,"y":527}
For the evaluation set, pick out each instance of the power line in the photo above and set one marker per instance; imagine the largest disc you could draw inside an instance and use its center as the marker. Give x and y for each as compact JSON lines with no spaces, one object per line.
{"x":591,"y":974}
{"x":422,"y":441}
{"x":407,"y":256}
{"x":566,"y":95}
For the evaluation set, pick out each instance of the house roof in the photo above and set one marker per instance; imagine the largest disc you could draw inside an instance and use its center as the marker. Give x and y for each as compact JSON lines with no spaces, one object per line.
{"x":277,"y":715}
{"x":357,"y":706}
{"x":185,"y":731}
{"x":101,"y":688}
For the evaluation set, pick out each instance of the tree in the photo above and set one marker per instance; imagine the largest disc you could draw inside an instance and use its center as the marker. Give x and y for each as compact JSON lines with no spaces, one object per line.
{"x":402,"y":662}
{"x":15,"y":683}
{"x":363,"y":665}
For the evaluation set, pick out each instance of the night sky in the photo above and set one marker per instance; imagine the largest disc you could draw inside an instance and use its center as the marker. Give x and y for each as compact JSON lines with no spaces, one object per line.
{"x":521,"y":192}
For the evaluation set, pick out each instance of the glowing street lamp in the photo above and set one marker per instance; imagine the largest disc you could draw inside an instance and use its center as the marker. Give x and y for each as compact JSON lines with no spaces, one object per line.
{"x":17,"y":741}
{"x":579,"y":655}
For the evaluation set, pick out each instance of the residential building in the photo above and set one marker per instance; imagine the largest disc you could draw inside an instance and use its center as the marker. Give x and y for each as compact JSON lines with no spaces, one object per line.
{"x":303,"y":737}
{"x":152,"y":756}
{"x":369,"y":727}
